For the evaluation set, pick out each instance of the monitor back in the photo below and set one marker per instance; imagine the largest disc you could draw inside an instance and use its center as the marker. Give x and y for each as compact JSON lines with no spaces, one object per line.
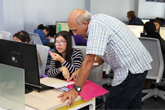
{"x":21,"y":55}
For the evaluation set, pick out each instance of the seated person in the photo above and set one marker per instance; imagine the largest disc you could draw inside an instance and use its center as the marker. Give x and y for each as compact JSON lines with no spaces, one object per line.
{"x":23,"y":36}
{"x":150,"y":31}
{"x":162,"y":21}
{"x":157,"y":24}
{"x":43,"y":31}
{"x":65,"y":60}
{"x":133,"y":20}
{"x":79,"y":40}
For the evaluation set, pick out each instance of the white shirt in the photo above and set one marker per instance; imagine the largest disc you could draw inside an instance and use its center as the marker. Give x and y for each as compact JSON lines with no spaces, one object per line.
{"x":118,"y":46}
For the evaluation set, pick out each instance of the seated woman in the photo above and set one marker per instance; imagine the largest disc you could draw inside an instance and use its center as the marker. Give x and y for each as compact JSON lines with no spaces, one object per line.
{"x":157,"y":24}
{"x":65,"y":60}
{"x":23,"y":36}
{"x":150,"y":31}
{"x":43,"y":31}
{"x":133,"y":20}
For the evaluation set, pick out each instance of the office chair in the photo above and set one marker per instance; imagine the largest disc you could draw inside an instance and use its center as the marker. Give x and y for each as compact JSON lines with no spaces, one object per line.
{"x":35,"y":38}
{"x":73,"y":41}
{"x":6,"y":34}
{"x":156,"y":73}
{"x":109,"y":73}
{"x":43,"y":51}
{"x":95,"y":75}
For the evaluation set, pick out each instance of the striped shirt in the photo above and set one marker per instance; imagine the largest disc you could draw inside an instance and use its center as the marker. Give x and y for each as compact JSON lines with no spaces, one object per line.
{"x":77,"y":59}
{"x":118,"y":46}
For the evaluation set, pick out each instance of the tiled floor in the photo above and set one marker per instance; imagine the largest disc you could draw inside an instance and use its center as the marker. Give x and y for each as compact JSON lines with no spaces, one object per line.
{"x":148,"y":104}
{"x":151,"y":103}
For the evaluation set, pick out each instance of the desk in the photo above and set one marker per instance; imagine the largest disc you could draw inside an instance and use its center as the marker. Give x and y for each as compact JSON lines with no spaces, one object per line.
{"x":47,"y":100}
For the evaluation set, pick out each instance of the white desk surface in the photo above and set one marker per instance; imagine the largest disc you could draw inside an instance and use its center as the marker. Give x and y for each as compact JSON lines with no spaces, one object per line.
{"x":46,"y":100}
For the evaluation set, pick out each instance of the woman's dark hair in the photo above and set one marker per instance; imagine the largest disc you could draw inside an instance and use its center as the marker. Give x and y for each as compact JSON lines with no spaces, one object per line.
{"x":131,"y":14}
{"x":161,"y":21}
{"x":42,"y":27}
{"x":67,"y":36}
{"x":158,"y":21}
{"x":149,"y":28}
{"x":23,"y":36}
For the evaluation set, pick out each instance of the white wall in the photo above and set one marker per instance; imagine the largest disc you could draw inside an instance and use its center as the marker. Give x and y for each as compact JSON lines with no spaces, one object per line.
{"x":151,"y":9}
{"x":13,"y":15}
{"x":115,"y":8}
{"x":48,"y":12}
{"x":1,"y":14}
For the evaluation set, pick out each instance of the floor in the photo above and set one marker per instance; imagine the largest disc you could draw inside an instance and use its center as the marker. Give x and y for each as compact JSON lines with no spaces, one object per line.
{"x":148,"y":104}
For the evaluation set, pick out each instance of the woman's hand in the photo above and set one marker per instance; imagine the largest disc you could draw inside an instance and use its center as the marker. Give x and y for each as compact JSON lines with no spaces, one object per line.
{"x":65,"y":73}
{"x":57,"y":57}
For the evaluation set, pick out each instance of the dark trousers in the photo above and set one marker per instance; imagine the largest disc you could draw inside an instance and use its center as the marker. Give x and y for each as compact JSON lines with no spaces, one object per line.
{"x":128,"y":94}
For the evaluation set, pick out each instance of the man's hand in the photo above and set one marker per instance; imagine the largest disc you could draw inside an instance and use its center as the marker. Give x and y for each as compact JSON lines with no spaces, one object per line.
{"x":70,"y":95}
{"x":74,"y":75}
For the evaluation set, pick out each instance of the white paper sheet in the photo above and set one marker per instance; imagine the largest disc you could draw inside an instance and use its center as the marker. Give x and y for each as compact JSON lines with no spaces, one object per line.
{"x":60,"y":84}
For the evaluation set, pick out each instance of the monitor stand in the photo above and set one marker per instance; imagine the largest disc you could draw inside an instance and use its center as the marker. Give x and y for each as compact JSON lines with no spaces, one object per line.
{"x":28,"y":89}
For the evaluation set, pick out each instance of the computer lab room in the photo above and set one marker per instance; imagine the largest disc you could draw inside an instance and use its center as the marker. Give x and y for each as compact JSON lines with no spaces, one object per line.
{"x":82,"y":54}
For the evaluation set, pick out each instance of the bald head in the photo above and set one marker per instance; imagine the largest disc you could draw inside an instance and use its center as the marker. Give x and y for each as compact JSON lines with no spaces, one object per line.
{"x":78,"y":16}
{"x":78,"y":21}
{"x":75,"y":14}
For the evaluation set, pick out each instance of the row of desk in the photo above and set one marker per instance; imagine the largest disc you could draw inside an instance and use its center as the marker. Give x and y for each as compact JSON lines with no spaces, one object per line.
{"x":47,"y":100}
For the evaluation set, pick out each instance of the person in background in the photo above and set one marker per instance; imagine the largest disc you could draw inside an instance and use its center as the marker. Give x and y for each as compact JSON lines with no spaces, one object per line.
{"x":65,"y":60}
{"x":117,"y":45}
{"x":133,"y":20}
{"x":23,"y":36}
{"x":150,"y":31}
{"x":43,"y":31}
{"x":162,"y":21}
{"x":79,"y":40}
{"x":157,"y":24}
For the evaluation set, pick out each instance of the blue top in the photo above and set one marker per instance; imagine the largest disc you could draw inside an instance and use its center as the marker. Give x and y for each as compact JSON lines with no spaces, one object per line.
{"x":118,"y":46}
{"x":42,"y":36}
{"x":79,"y":40}
{"x":135,"y":21}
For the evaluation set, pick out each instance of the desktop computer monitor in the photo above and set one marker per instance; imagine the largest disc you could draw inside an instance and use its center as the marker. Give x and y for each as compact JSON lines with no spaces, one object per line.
{"x":136,"y":29}
{"x":61,"y":26}
{"x":22,"y":55}
{"x":145,"y":20}
{"x":162,"y":32}
{"x":52,"y":30}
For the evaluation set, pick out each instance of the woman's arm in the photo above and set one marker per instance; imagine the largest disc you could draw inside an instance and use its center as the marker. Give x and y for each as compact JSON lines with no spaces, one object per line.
{"x":77,"y":57}
{"x":52,"y":72}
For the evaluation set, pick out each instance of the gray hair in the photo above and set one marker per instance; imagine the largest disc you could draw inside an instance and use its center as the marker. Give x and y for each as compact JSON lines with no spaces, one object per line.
{"x":85,"y":17}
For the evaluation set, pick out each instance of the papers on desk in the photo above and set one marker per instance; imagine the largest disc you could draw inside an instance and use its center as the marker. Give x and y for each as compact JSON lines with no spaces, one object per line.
{"x":60,"y":84}
{"x":90,"y":90}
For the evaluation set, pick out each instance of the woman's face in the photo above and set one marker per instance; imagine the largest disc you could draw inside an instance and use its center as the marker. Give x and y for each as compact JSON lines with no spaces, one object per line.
{"x":16,"y":39}
{"x":60,"y":44}
{"x":157,"y":26}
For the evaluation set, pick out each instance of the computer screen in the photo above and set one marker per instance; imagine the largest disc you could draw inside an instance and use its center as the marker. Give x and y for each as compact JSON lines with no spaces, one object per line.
{"x":162,"y":32}
{"x":145,"y":20}
{"x":61,"y":26}
{"x":22,"y":55}
{"x":136,"y":29}
{"x":52,"y":30}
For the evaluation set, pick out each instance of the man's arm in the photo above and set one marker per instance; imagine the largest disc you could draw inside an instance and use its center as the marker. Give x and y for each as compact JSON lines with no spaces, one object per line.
{"x":98,"y":62}
{"x":80,"y":81}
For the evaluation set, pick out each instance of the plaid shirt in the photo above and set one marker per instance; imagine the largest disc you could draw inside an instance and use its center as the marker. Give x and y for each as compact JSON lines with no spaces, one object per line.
{"x":118,"y":46}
